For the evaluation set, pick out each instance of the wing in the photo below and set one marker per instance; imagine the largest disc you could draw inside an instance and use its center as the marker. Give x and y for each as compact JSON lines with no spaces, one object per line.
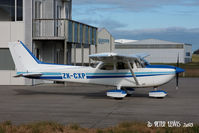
{"x":112,"y":57}
{"x":29,"y":75}
{"x":141,"y":55}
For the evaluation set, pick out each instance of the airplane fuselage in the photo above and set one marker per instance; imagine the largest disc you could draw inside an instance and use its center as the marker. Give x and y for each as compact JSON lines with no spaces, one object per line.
{"x":147,"y":77}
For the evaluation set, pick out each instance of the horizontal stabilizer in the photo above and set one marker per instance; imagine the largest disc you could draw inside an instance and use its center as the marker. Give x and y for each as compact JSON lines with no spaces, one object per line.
{"x":29,"y":75}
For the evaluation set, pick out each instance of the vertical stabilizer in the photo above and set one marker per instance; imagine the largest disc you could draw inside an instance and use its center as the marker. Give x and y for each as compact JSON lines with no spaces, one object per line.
{"x":23,"y":58}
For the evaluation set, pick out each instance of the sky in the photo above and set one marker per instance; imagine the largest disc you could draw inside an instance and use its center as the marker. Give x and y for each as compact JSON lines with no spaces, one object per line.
{"x":171,"y":20}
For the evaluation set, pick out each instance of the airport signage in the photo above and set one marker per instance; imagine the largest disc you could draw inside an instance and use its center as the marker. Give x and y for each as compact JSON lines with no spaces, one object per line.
{"x":103,"y":41}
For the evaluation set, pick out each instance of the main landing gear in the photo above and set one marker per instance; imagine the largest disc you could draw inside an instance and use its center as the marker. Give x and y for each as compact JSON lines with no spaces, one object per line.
{"x":120,"y":93}
{"x":117,"y":94}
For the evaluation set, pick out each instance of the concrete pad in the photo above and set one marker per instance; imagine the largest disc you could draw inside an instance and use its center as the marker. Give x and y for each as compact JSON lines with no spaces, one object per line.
{"x":89,"y":106}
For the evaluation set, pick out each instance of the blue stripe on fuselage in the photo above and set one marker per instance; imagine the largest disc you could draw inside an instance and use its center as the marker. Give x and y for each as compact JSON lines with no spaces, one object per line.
{"x":123,"y":76}
{"x":161,"y":66}
{"x":127,"y":73}
{"x":58,"y":75}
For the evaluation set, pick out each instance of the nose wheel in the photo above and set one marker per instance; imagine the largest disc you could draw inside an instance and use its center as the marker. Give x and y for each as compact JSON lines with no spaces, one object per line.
{"x":157,"y":93}
{"x":117,"y":94}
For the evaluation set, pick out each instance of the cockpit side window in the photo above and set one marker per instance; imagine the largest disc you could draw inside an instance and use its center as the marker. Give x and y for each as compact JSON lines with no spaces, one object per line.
{"x":107,"y":66}
{"x":122,"y":65}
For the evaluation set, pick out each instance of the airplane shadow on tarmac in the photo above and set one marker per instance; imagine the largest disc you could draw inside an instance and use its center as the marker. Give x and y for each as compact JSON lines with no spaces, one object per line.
{"x":90,"y":95}
{"x":93,"y":95}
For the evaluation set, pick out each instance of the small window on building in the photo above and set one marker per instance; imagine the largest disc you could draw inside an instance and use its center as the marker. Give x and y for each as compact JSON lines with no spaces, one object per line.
{"x":94,"y":36}
{"x":67,"y":10}
{"x":91,"y":35}
{"x":38,"y":7}
{"x":86,"y":34}
{"x":6,"y":61}
{"x":7,"y":10}
{"x":70,"y":31}
{"x":107,"y":66}
{"x":76,"y":32}
{"x":38,"y":54}
{"x":86,"y":45}
{"x":188,"y":54}
{"x":19,"y":10}
{"x":80,"y":33}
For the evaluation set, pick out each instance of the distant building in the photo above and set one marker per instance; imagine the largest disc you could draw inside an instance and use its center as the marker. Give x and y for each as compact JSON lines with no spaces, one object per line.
{"x":105,"y":41}
{"x":160,"y":51}
{"x":196,"y":52}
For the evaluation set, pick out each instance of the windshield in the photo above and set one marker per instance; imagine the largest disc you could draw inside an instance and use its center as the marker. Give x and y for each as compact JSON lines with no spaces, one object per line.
{"x":94,"y":65}
{"x":144,"y":62}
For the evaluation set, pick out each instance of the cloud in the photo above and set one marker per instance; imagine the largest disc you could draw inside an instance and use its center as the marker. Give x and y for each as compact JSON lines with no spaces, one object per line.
{"x":176,"y":34}
{"x":137,"y":5}
{"x":106,"y":13}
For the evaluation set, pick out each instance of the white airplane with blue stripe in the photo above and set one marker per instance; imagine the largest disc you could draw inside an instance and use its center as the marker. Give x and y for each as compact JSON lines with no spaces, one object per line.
{"x":124,"y":72}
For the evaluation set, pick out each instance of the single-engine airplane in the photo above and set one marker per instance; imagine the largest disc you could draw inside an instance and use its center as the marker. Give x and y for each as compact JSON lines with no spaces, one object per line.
{"x":125,"y":72}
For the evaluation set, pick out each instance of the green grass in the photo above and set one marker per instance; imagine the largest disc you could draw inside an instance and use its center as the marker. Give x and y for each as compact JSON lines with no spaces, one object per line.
{"x":194,"y":64}
{"x":124,"y":127}
{"x":195,"y":58}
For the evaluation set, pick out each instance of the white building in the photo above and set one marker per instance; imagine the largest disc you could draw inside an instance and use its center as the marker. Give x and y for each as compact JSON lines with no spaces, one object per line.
{"x":12,"y":28}
{"x":105,"y":41}
{"x":45,"y":26}
{"x":160,"y":51}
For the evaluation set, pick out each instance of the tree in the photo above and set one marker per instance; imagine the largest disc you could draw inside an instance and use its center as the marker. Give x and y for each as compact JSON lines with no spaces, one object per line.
{"x":196,"y":52}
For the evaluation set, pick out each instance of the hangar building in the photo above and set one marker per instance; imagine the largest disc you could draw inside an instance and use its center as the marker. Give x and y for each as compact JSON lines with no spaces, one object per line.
{"x":47,"y":28}
{"x":160,"y":51}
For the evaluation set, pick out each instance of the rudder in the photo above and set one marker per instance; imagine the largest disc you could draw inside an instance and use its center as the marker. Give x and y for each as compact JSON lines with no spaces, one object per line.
{"x":23,"y":58}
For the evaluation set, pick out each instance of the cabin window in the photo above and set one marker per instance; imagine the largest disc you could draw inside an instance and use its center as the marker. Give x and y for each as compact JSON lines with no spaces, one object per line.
{"x":107,"y":66}
{"x":122,"y":65}
{"x":94,"y":65}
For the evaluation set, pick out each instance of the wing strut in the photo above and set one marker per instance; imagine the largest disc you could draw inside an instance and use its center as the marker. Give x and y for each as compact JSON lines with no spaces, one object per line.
{"x":134,"y":76}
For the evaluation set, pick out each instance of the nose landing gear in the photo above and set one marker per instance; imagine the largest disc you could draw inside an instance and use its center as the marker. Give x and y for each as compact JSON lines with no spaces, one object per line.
{"x":157,"y":93}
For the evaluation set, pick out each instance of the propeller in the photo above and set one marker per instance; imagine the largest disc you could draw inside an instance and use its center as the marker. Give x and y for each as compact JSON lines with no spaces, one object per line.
{"x":177,"y":74}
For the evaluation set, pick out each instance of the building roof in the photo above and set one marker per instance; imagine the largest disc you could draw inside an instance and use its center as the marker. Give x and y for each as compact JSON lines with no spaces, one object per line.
{"x":124,"y":41}
{"x":152,"y":41}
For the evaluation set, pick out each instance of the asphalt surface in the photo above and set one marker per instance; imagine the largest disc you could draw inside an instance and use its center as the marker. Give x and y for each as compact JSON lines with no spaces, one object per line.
{"x":88,"y":106}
